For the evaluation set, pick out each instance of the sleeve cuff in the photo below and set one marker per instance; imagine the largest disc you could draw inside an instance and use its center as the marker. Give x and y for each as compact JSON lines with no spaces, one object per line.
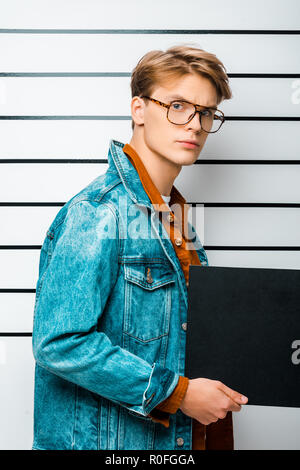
{"x":172,"y":403}
{"x":160,"y":414}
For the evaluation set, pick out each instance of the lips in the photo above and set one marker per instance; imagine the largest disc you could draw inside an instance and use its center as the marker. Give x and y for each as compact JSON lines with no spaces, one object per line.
{"x":189,"y":142}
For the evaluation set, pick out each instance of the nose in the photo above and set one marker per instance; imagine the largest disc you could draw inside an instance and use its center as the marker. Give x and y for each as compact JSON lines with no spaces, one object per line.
{"x":194,"y":123}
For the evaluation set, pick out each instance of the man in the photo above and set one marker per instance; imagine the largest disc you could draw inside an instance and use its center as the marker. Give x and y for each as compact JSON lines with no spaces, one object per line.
{"x":111,"y":298}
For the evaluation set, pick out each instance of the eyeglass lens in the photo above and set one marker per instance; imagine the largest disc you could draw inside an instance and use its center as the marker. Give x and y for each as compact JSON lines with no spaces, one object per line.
{"x":180,"y":113}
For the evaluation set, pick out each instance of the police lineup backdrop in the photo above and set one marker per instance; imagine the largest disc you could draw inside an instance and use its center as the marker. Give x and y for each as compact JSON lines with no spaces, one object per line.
{"x":64,"y":92}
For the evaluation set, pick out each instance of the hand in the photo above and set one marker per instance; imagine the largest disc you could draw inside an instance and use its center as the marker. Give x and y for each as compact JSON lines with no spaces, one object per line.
{"x":208,"y":400}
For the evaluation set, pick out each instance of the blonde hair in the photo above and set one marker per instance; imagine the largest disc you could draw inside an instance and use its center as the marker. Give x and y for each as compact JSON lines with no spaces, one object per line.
{"x":157,"y":67}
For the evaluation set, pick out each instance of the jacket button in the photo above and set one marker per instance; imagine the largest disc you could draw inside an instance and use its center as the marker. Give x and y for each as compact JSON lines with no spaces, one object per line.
{"x":178,"y":241}
{"x":180,"y":441}
{"x":184,"y":326}
{"x":149,"y":277}
{"x":170,"y":217}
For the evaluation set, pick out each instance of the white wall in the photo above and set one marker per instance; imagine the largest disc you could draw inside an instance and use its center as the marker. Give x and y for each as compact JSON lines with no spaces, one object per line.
{"x":56,"y":61}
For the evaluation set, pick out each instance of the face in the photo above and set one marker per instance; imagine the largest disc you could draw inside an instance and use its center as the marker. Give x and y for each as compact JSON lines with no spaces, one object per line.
{"x":160,"y":135}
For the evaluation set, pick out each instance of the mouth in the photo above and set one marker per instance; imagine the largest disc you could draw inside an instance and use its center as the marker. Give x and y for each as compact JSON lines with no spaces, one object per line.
{"x":188,"y":144}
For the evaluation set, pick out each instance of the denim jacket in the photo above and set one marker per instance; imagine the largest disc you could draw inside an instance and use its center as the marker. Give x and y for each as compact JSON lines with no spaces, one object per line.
{"x":108,"y":345}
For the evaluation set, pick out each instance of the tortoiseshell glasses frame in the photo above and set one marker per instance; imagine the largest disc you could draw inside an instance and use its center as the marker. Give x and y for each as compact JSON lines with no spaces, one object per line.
{"x":196,"y":106}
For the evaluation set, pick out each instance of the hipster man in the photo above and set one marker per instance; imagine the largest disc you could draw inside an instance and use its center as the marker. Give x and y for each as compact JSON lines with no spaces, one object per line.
{"x":110,"y":315}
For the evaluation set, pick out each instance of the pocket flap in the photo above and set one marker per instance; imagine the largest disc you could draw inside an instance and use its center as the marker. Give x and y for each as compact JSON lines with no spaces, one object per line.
{"x":149,"y":276}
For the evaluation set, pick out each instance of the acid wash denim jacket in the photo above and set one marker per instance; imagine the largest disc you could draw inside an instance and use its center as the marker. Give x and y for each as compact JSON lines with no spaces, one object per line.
{"x":108,"y":345}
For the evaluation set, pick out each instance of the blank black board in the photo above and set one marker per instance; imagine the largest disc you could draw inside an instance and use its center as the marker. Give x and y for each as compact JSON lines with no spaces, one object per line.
{"x":243,"y":328}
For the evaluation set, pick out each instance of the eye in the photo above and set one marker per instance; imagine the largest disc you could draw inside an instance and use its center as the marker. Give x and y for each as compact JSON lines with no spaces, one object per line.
{"x":207,"y":113}
{"x":177,"y":106}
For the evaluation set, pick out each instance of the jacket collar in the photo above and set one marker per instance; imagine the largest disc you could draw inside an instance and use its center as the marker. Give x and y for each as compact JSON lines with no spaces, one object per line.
{"x":120,"y":162}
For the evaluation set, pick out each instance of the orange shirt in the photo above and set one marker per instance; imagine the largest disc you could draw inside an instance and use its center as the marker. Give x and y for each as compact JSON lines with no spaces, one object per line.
{"x":217,"y":435}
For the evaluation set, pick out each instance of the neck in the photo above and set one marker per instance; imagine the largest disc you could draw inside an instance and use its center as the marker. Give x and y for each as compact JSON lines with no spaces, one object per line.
{"x":162,"y":171}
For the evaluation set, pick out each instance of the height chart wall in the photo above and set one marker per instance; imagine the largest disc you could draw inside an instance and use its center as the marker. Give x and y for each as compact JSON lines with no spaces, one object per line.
{"x":65,"y":92}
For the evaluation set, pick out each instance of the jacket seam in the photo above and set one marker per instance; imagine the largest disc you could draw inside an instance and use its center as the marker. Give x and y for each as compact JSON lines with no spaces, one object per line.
{"x":81,"y":199}
{"x":75,"y":415}
{"x":99,"y":422}
{"x":164,"y":385}
{"x":106,"y":203}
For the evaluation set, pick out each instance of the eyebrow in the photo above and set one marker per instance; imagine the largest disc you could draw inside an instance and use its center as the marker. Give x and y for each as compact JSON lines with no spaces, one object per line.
{"x":179,"y":97}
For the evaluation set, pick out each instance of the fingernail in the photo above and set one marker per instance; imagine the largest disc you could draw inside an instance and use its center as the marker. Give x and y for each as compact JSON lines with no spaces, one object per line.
{"x":243,"y":398}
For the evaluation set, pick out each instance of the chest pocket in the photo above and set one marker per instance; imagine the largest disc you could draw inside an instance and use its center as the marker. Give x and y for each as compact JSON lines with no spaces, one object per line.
{"x":148,"y":289}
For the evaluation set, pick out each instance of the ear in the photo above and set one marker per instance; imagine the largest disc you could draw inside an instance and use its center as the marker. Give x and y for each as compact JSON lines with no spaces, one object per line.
{"x":137,"y":110}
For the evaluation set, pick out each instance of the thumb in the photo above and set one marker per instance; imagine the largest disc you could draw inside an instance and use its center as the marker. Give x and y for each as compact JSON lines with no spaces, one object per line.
{"x":235,"y":396}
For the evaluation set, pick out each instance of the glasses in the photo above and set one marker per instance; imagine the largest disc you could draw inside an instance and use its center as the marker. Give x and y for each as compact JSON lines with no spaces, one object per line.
{"x":181,"y":112}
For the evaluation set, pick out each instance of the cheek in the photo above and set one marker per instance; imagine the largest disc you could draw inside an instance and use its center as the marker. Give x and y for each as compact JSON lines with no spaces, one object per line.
{"x":203,"y":138}
{"x":159,"y":131}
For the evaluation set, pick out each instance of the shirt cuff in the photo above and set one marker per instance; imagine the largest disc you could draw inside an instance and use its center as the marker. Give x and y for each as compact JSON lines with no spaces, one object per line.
{"x":160,"y":414}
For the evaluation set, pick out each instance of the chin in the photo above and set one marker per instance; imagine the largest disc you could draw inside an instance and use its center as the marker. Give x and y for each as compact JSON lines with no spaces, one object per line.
{"x":189,"y":155}
{"x":185,"y":159}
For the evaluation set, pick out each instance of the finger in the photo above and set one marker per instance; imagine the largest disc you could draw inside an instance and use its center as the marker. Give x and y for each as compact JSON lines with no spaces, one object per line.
{"x":234,"y":406}
{"x":235,"y":396}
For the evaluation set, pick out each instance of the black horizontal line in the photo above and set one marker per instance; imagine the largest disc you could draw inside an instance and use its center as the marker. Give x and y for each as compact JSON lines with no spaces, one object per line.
{"x":262,"y":118}
{"x":31,"y":204}
{"x":128,"y":74}
{"x":15,"y":334}
{"x":54,"y":160}
{"x":206,"y":247}
{"x":128,"y":118}
{"x":251,"y":248}
{"x":77,"y":117}
{"x":247,"y":162}
{"x":105,"y":161}
{"x":71,"y":74}
{"x":16,"y":291}
{"x":146,"y":31}
{"x":20,"y":247}
{"x":294,"y":205}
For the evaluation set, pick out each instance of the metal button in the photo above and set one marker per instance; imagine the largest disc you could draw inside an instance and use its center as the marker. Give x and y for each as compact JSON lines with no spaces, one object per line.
{"x":170,"y":217}
{"x":180,"y":441}
{"x":187,"y":283}
{"x":184,"y":326}
{"x":178,"y":241}
{"x":149,"y":277}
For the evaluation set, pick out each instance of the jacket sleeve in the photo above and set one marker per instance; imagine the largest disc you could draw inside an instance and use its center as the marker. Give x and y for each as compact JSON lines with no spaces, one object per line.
{"x":77,"y":271}
{"x":161,"y":413}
